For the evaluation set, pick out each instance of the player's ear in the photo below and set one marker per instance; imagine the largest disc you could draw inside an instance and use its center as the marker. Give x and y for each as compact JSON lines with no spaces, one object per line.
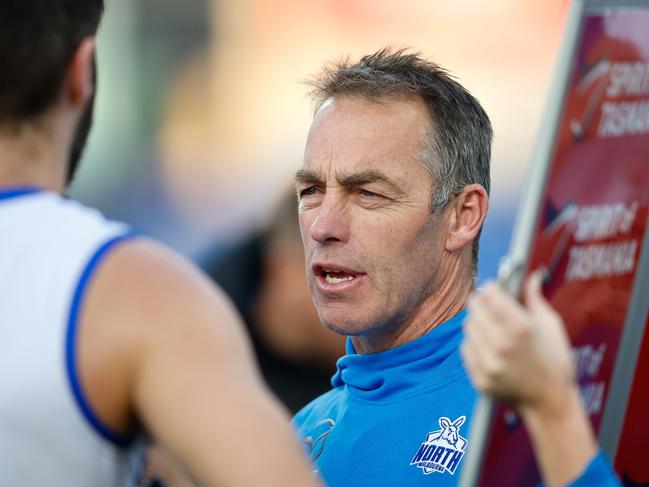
{"x":468,"y":212}
{"x":79,"y":79}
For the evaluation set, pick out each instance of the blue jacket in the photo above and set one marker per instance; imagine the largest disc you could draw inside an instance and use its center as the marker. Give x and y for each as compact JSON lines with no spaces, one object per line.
{"x":399,"y":417}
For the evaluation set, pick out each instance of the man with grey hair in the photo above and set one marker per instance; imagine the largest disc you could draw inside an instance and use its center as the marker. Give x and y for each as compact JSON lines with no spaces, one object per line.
{"x":392,"y":195}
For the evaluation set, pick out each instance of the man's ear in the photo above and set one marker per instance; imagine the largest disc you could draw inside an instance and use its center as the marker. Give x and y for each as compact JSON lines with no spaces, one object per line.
{"x":79,"y":81}
{"x":468,"y":211}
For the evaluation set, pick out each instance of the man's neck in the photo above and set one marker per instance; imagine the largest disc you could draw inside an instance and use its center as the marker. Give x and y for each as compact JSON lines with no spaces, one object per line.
{"x":446,"y":302}
{"x":29,"y":158}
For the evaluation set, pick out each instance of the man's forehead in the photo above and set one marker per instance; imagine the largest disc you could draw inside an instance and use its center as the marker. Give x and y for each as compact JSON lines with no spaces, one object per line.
{"x":352,"y":137}
{"x":378,"y":165}
{"x":363,"y":131}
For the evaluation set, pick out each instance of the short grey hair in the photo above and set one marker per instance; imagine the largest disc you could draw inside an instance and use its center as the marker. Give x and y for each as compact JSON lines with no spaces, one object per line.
{"x":457,"y":149}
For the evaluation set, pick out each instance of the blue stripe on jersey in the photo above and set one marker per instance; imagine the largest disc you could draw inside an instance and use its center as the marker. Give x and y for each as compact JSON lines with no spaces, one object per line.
{"x":71,"y":345}
{"x":13,"y":192}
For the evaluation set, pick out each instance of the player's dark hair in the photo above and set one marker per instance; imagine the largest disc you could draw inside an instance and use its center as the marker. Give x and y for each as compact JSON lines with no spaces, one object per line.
{"x":457,"y":149}
{"x":37,"y":41}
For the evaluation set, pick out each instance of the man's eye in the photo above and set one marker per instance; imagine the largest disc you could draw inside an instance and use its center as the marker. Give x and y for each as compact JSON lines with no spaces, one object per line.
{"x":310,"y":191}
{"x":369,"y":194}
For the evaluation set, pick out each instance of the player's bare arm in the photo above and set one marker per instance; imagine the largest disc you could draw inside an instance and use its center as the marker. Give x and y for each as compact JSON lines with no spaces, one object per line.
{"x":186,"y":371}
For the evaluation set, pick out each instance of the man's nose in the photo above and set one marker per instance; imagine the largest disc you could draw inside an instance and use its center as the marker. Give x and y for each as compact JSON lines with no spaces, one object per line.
{"x":331,"y":224}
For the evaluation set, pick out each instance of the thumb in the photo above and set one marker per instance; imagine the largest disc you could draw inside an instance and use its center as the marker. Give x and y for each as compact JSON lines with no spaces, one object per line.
{"x":540,"y":308}
{"x":533,"y":297}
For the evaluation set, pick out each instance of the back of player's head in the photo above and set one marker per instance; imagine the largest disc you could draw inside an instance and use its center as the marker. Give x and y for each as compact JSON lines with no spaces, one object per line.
{"x":37,"y":41}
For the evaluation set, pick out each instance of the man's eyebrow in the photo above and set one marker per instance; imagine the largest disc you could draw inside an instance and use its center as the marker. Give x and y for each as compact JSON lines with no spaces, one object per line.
{"x":366,"y":177}
{"x":307,"y":176}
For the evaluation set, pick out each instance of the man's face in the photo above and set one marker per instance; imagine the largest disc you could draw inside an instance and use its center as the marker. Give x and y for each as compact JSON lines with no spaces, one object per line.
{"x":374,"y":251}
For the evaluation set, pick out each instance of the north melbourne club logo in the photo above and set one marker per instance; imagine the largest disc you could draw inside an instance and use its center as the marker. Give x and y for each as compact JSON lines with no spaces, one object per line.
{"x":443,"y":449}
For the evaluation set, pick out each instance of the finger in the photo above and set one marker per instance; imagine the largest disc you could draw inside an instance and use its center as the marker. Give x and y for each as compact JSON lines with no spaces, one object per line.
{"x":485,"y":373}
{"x":486,"y":357}
{"x":540,"y":307}
{"x":503,"y":308}
{"x":483,"y":303}
{"x":485,"y":330}
{"x":473,"y":366}
{"x":533,"y":295}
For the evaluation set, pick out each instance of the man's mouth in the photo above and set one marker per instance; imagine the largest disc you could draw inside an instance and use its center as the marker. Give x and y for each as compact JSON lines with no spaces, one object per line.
{"x":334,"y":276}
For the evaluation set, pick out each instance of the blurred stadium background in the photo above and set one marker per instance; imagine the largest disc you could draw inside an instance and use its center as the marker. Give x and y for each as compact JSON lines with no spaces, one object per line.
{"x":201,"y":118}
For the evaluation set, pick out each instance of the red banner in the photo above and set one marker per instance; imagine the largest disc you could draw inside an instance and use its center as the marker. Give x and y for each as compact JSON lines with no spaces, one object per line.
{"x":591,"y":226}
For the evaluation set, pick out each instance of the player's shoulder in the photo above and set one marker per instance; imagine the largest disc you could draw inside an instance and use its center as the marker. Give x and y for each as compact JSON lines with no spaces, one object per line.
{"x":150,"y":316}
{"x":145,"y":282}
{"x":156,"y":269}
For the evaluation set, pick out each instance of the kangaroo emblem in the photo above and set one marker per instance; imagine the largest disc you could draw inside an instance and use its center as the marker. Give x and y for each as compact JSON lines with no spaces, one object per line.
{"x":442,"y":449}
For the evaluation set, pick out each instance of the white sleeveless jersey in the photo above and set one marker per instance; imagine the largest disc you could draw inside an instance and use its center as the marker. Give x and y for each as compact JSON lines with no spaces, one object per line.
{"x":49,"y":434}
